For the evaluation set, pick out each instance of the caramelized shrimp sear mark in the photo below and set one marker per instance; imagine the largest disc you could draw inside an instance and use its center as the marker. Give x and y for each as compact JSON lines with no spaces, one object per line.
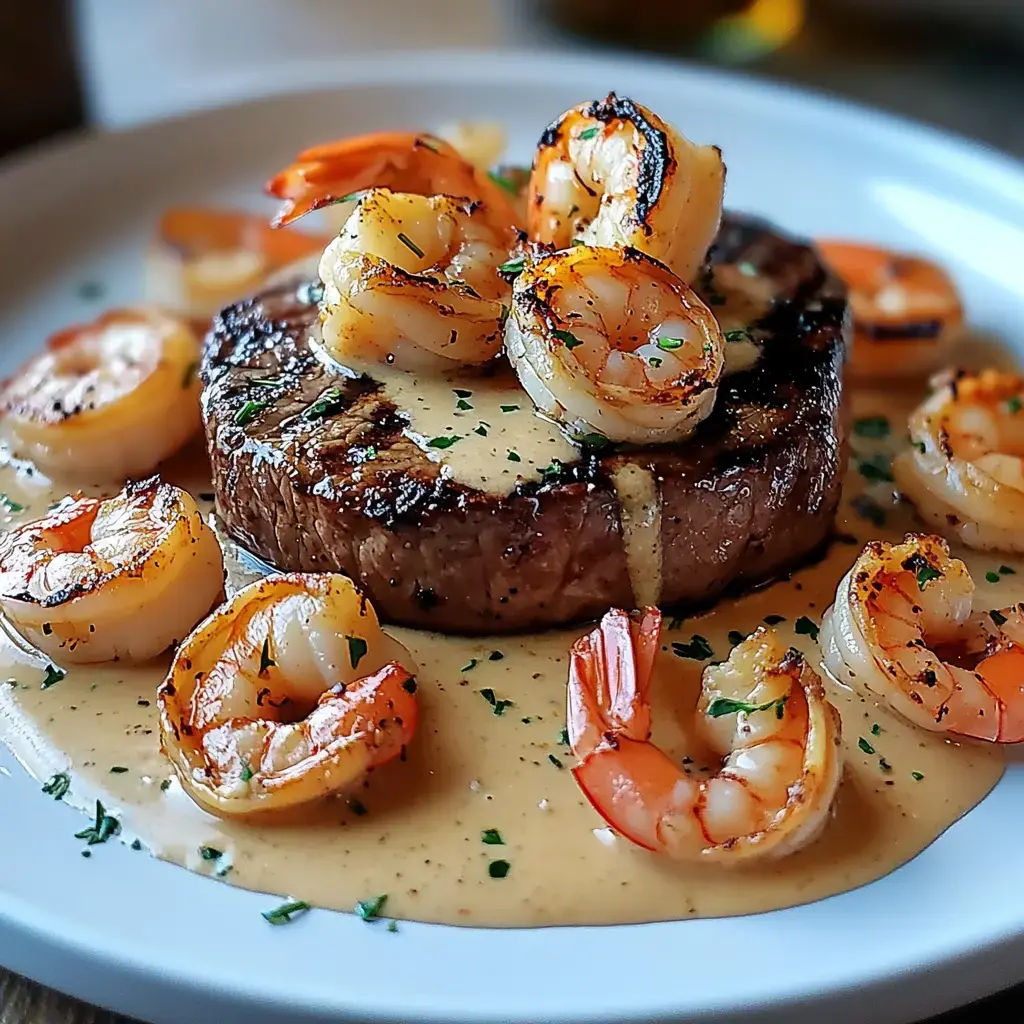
{"x":288,"y":693}
{"x":121,"y":578}
{"x":412,"y":281}
{"x":764,"y":711}
{"x":611,"y":341}
{"x":201,"y":260}
{"x":906,"y":310}
{"x":902,"y":629}
{"x":404,"y":161}
{"x":964,"y":470}
{"x":612,"y":173}
{"x":107,"y":400}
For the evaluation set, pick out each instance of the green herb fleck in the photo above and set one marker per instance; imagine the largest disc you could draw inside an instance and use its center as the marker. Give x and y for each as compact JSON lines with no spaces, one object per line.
{"x":884,"y":765}
{"x":876,"y":469}
{"x":555,"y":761}
{"x":286,"y":913}
{"x":369,"y":910}
{"x":497,"y":706}
{"x":462,"y":393}
{"x":495,"y":656}
{"x":51,"y":676}
{"x":927,"y":573}
{"x":491,"y":837}
{"x":998,"y":618}
{"x":1005,"y":570}
{"x":410,"y":244}
{"x":103,"y":827}
{"x":357,"y":807}
{"x":670,"y":344}
{"x":871,"y":426}
{"x":356,"y":649}
{"x":806,"y":627}
{"x":210,"y":853}
{"x":655,"y":361}
{"x":506,"y":183}
{"x":734,"y":336}
{"x":698,"y":648}
{"x":594,"y":441}
{"x":727,"y":706}
{"x":249,"y":411}
{"x":189,"y":375}
{"x":392,"y":926}
{"x":498,"y":868}
{"x":166,"y":785}
{"x":268,"y":382}
{"x":588,"y":133}
{"x":462,"y":405}
{"x":510,"y":408}
{"x":481,"y":430}
{"x":471,"y":664}
{"x":57,"y":785}
{"x":567,"y":338}
{"x":118,"y":769}
{"x":514,"y":456}
{"x":266,"y":661}
{"x":1014,"y":404}
{"x":445,"y":441}
{"x":916,"y":776}
{"x":992,"y":577}
{"x":773,"y":620}
{"x":865,"y":746}
{"x":247,"y":772}
{"x":513,"y":268}
{"x":136,"y":844}
{"x":503,"y":316}
{"x":10,"y":504}
{"x":919,"y":445}
{"x":329,"y":402}
{"x":735,"y":637}
{"x":875,"y":729}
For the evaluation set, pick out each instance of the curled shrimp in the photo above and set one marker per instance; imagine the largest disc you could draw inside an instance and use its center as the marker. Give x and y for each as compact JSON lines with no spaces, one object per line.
{"x":288,"y":693}
{"x":612,"y":173}
{"x":611,"y":341}
{"x":202,"y":259}
{"x":906,"y":310}
{"x":404,"y":161}
{"x":764,"y":711}
{"x":902,"y":629}
{"x":107,"y":400}
{"x":412,"y":281}
{"x":120,"y":578}
{"x":964,"y":471}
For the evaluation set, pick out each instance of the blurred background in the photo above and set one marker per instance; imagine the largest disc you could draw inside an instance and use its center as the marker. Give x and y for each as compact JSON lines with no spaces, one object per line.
{"x":958,"y":64}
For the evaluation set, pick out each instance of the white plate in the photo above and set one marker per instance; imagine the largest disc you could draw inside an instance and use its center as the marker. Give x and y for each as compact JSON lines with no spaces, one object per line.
{"x":154,"y":941}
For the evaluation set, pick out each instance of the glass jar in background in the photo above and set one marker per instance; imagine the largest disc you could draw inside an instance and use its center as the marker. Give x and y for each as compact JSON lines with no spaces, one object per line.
{"x":727,"y":31}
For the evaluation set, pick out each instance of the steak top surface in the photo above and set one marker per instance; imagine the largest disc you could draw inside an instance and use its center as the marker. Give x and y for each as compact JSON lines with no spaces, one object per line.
{"x":317,"y":472}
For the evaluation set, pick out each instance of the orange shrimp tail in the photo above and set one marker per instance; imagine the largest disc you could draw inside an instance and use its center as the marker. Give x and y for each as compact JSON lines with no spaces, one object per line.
{"x":1003,"y":676}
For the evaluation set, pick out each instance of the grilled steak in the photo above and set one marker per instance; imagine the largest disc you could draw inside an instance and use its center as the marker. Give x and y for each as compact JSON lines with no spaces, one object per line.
{"x":314,"y":473}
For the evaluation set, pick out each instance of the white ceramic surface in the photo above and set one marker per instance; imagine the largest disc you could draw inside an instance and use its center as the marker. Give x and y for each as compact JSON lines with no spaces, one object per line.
{"x":152,"y":940}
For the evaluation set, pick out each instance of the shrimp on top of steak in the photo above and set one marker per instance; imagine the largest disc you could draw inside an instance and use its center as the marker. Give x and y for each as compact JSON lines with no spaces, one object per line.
{"x":764,"y":711}
{"x":610,"y":341}
{"x":612,"y":173}
{"x":289,"y":693}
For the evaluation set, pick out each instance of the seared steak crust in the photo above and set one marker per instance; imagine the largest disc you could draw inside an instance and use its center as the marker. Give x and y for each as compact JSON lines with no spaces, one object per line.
{"x":313,"y":472}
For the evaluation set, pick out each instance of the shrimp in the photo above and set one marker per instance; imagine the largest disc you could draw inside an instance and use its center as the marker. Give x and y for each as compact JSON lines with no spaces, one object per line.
{"x":288,"y":693}
{"x":964,"y":471}
{"x":412,"y":281}
{"x":764,"y":711}
{"x":404,"y":161}
{"x":203,"y":259}
{"x":906,"y":310}
{"x":107,"y":400}
{"x":612,"y":173}
{"x":108,"y":579}
{"x":902,"y":629}
{"x":610,"y":341}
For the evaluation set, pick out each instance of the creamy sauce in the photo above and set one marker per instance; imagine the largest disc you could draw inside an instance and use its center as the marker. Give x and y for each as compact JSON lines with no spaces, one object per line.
{"x":640,"y":518}
{"x":414,"y":830}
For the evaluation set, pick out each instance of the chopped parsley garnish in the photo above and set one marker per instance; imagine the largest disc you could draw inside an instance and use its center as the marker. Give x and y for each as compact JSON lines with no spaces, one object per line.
{"x":462,"y":405}
{"x":871,"y":426}
{"x":927,"y":573}
{"x":865,"y":746}
{"x":513,"y":268}
{"x":210,"y":853}
{"x":357,"y":807}
{"x":588,"y":133}
{"x":514,"y":456}
{"x":998,"y":618}
{"x":286,"y":913}
{"x":471,"y":664}
{"x":876,"y":469}
{"x":734,"y":336}
{"x":249,"y":411}
{"x":506,"y":183}
{"x":481,"y":430}
{"x":495,"y":656}
{"x":326,"y":405}
{"x":410,"y":244}
{"x":555,"y":761}
{"x":392,"y":926}
{"x":552,"y":471}
{"x":698,"y":648}
{"x":369,"y":910}
{"x":103,"y":827}
{"x":57,"y":785}
{"x":491,"y":837}
{"x":919,"y":445}
{"x":356,"y":649}
{"x":655,"y":361}
{"x":1005,"y":570}
{"x":869,"y":509}
{"x":594,"y":441}
{"x":497,"y":706}
{"x":875,"y":729}
{"x":189,"y":375}
{"x":670,"y":344}
{"x":498,"y":868}
{"x":563,"y":737}
{"x":166,"y":785}
{"x":51,"y":676}
{"x":567,"y":338}
{"x":247,"y":772}
{"x":1014,"y":404}
{"x":118,"y":769}
{"x":136,"y":844}
{"x":884,"y":765}
{"x":10,"y":504}
{"x":992,"y":577}
{"x":773,"y":620}
{"x":735,"y":637}
{"x":806,"y":627}
{"x":266,"y":661}
{"x":509,"y":408}
{"x":916,"y":776}
{"x":445,"y":441}
{"x":727,"y":706}
{"x":462,"y":393}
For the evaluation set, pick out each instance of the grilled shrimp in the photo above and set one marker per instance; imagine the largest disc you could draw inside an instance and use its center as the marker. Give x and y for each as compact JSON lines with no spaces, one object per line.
{"x":107,"y":400}
{"x":610,"y":341}
{"x":902,"y":629}
{"x":612,"y":173}
{"x":412,"y":281}
{"x":764,"y":710}
{"x":906,"y":310}
{"x":121,"y":578}
{"x":964,"y":471}
{"x":201,"y":259}
{"x":288,"y":693}
{"x":403,"y":161}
